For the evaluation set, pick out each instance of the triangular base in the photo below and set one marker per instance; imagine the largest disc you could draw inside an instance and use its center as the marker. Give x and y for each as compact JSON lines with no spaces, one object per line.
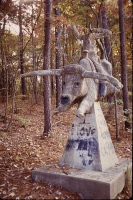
{"x":89,"y":145}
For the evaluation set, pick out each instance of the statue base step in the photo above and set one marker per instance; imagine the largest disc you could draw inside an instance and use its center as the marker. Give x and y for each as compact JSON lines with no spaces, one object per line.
{"x":88,"y":184}
{"x":89,"y":145}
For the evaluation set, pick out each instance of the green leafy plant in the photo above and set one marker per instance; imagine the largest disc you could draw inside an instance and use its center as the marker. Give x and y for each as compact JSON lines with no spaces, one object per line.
{"x":119,"y":102}
{"x":23,"y":122}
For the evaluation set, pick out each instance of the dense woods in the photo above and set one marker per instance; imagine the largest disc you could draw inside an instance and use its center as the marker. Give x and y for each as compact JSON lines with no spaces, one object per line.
{"x":28,"y":48}
{"x":37,"y":35}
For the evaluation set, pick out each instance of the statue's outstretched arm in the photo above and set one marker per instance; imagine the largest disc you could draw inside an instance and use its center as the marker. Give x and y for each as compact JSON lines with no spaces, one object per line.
{"x":78,"y":35}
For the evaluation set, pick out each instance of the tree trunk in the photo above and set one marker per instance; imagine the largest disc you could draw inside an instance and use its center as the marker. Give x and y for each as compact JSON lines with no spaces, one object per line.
{"x":123,"y":63}
{"x":34,"y":61}
{"x":65,"y":50}
{"x":3,"y":64}
{"x":3,"y":75}
{"x":131,"y":88}
{"x":46,"y":66}
{"x":21,"y":60}
{"x":105,"y":25}
{"x":13,"y":99}
{"x":58,"y":59}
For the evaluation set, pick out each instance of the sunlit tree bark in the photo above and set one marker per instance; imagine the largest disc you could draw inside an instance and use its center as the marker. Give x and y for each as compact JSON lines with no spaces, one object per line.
{"x":123,"y":63}
{"x":46,"y":66}
{"x":58,"y":58}
{"x":21,"y":59}
{"x":2,"y":63}
{"x":34,"y":60}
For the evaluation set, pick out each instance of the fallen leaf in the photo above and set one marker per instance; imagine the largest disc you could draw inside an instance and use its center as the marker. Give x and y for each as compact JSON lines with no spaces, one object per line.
{"x":12,"y":194}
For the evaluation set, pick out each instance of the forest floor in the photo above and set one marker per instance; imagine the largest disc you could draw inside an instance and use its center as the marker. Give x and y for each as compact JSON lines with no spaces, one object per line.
{"x":24,"y":148}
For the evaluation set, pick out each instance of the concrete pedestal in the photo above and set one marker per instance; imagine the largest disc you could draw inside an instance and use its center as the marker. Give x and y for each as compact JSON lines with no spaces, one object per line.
{"x":89,"y":145}
{"x":89,"y":184}
{"x":89,"y":165}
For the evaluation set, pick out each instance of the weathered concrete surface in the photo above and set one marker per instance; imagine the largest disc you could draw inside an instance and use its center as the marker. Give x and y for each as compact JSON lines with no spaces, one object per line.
{"x":89,"y":145}
{"x":89,"y":184}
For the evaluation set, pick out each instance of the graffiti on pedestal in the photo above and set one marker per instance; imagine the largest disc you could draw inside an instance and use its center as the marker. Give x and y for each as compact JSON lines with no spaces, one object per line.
{"x":91,"y":147}
{"x":107,"y":149}
{"x":83,"y":140}
{"x":84,"y":129}
{"x":87,"y":148}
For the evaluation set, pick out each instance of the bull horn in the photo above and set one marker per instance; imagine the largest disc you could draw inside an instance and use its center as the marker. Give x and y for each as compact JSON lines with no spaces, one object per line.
{"x":56,"y":72}
{"x":104,"y":31}
{"x":96,"y":75}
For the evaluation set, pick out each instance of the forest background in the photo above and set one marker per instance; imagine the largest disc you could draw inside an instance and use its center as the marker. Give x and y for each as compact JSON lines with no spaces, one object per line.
{"x":23,"y":40}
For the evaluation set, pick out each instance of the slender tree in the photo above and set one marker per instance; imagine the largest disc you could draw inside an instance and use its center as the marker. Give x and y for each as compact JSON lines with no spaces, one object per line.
{"x":123,"y":63}
{"x":2,"y":62}
{"x":34,"y":59}
{"x":132,"y":31}
{"x":21,"y":59}
{"x":46,"y":66}
{"x":105,"y":25}
{"x":58,"y":57}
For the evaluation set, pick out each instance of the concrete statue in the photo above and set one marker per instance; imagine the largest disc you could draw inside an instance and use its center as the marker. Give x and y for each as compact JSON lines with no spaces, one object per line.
{"x":94,"y":169}
{"x":89,"y":130}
